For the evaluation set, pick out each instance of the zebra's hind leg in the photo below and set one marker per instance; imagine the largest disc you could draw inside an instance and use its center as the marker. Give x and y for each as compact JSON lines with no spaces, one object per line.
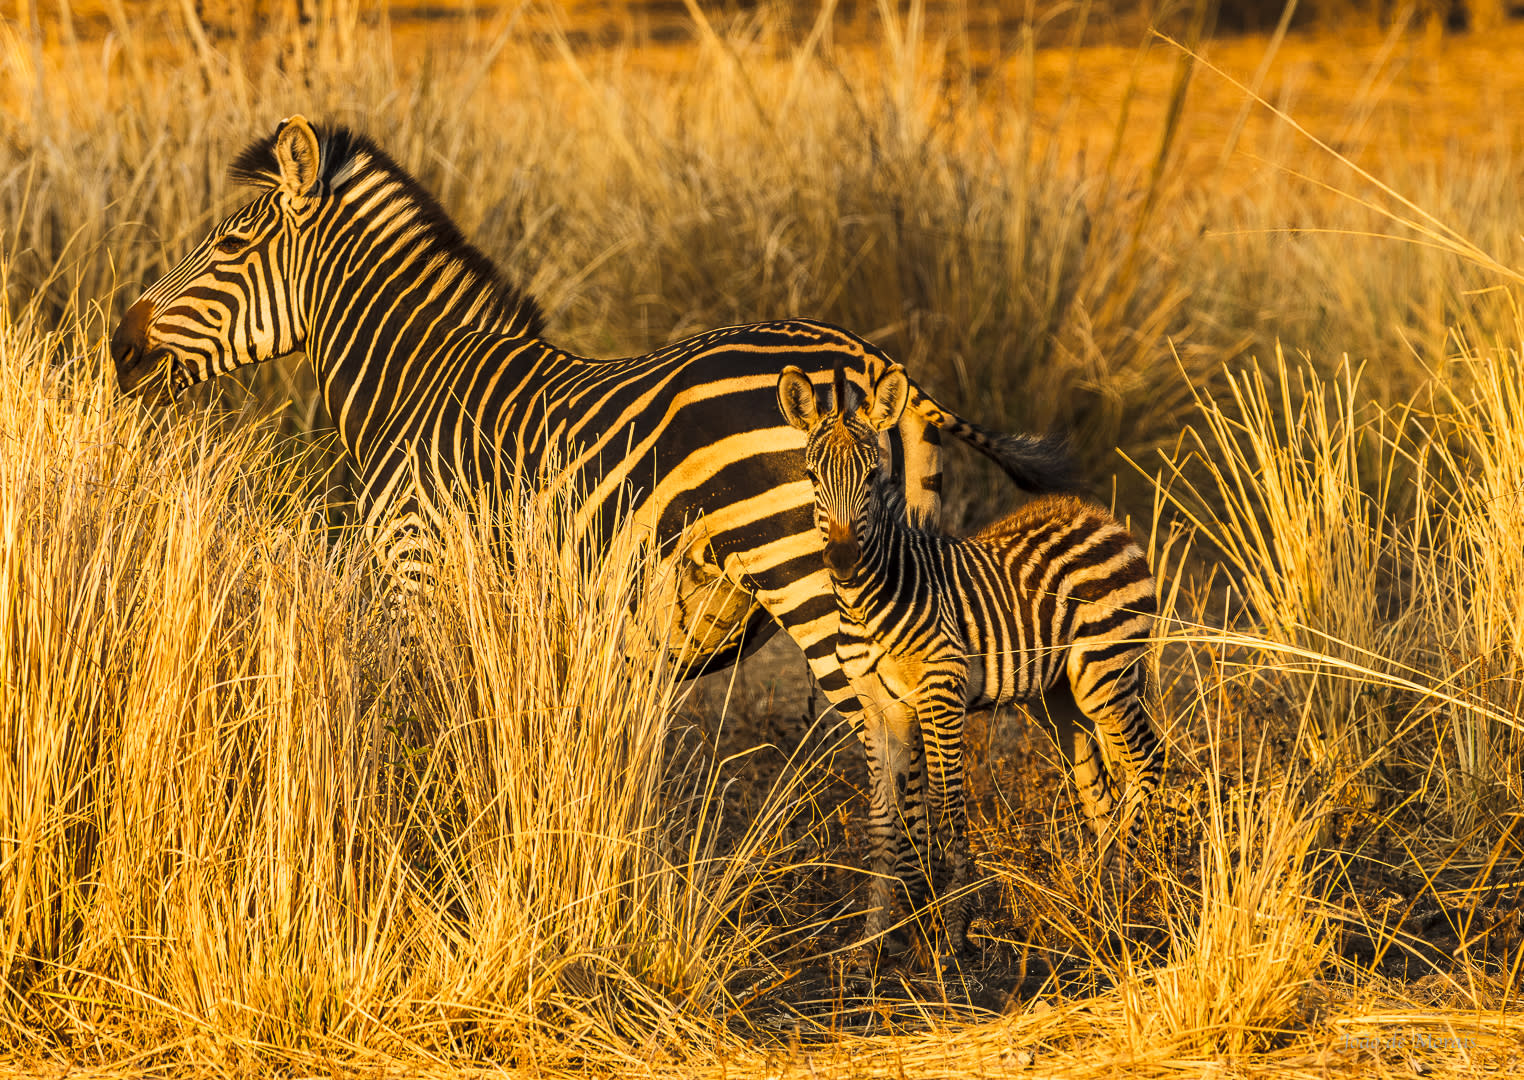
{"x":1112,"y":691}
{"x":1072,"y":731}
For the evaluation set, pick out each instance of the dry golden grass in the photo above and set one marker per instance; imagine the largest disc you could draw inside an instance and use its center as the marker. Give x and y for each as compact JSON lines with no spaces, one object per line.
{"x":244,"y":829}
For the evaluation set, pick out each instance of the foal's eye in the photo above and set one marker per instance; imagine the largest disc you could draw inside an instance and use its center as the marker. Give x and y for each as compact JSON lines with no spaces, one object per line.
{"x":231,"y":245}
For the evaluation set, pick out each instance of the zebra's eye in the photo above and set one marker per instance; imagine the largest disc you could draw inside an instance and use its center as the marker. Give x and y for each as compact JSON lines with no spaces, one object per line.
{"x":231,"y":245}
{"x":809,"y":474}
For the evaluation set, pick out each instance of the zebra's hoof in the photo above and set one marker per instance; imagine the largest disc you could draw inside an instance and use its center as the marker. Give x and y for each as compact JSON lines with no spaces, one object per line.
{"x":957,"y":930}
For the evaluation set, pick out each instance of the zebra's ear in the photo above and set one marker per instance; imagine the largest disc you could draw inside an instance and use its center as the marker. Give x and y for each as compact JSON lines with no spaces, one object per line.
{"x":796,"y":399}
{"x":297,"y":153}
{"x":889,"y":396}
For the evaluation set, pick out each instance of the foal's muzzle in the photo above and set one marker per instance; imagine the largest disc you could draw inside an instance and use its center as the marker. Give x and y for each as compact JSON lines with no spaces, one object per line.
{"x":841,"y":551}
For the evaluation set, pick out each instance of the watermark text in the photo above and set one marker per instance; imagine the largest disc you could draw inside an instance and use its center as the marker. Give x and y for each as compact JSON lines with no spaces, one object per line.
{"x":1408,"y":1040}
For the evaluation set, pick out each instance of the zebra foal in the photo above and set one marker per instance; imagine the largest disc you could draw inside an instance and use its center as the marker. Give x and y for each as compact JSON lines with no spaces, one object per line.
{"x":1053,"y":605}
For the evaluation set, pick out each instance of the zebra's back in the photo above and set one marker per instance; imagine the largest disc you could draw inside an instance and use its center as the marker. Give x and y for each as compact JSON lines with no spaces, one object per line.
{"x":685,"y":431}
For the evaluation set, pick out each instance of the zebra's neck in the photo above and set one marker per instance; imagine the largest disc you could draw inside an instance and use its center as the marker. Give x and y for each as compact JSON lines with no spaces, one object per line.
{"x":391,"y":285}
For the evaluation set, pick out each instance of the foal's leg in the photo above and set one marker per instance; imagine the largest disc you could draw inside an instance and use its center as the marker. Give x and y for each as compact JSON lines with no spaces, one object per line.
{"x":1075,"y":736}
{"x":939,"y":705}
{"x":1112,"y":691}
{"x":896,"y":802}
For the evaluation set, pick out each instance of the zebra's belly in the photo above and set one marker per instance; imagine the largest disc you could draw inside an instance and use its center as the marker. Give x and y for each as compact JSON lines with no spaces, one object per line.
{"x":1000,"y":674}
{"x":703,"y":616}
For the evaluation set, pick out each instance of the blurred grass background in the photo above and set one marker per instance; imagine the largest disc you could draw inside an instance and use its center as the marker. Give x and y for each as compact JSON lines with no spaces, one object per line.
{"x":1278,"y":273}
{"x":1040,"y":229}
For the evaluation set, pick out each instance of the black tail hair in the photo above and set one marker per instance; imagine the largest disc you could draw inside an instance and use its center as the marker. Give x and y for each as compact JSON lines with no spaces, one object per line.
{"x":1037,"y":463}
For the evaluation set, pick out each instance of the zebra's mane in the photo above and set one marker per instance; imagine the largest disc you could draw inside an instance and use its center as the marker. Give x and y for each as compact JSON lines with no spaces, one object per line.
{"x":347,"y":155}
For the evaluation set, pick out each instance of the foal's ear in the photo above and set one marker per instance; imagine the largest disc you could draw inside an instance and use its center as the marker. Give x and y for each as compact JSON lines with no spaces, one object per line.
{"x":297,"y":152}
{"x":796,"y":399}
{"x":889,"y":396}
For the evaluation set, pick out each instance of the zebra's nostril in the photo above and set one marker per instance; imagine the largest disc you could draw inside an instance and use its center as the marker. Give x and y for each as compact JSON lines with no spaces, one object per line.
{"x":130,"y":339}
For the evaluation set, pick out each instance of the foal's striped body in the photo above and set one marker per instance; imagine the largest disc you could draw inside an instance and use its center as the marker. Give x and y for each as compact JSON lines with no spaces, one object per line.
{"x":1052,"y":606}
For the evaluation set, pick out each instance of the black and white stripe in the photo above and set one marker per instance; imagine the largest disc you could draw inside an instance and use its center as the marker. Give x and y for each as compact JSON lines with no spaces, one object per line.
{"x":438,"y":378}
{"x":1053,"y":605}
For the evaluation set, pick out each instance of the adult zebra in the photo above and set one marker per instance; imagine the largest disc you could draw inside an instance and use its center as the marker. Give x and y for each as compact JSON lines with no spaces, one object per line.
{"x":435,"y":372}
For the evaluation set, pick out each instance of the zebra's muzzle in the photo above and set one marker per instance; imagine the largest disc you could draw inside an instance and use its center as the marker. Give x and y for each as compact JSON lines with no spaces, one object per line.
{"x":141,"y":372}
{"x":841,"y":552}
{"x":153,"y":381}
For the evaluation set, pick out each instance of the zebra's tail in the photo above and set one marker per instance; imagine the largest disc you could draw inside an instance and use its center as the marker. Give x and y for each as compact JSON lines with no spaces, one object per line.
{"x":1037,"y":463}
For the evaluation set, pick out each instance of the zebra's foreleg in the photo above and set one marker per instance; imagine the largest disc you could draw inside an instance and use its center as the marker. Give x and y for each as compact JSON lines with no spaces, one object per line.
{"x":896,"y":810}
{"x":892,"y":745}
{"x":939,"y":707}
{"x":896,"y":774}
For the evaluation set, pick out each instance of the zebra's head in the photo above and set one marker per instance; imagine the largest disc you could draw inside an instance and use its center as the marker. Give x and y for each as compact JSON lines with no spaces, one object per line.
{"x":230,"y":301}
{"x":842,"y":454}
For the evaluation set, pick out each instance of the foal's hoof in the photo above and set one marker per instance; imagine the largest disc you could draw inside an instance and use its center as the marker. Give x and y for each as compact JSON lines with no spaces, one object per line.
{"x":957,"y":933}
{"x":951,"y":951}
{"x":882,"y":948}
